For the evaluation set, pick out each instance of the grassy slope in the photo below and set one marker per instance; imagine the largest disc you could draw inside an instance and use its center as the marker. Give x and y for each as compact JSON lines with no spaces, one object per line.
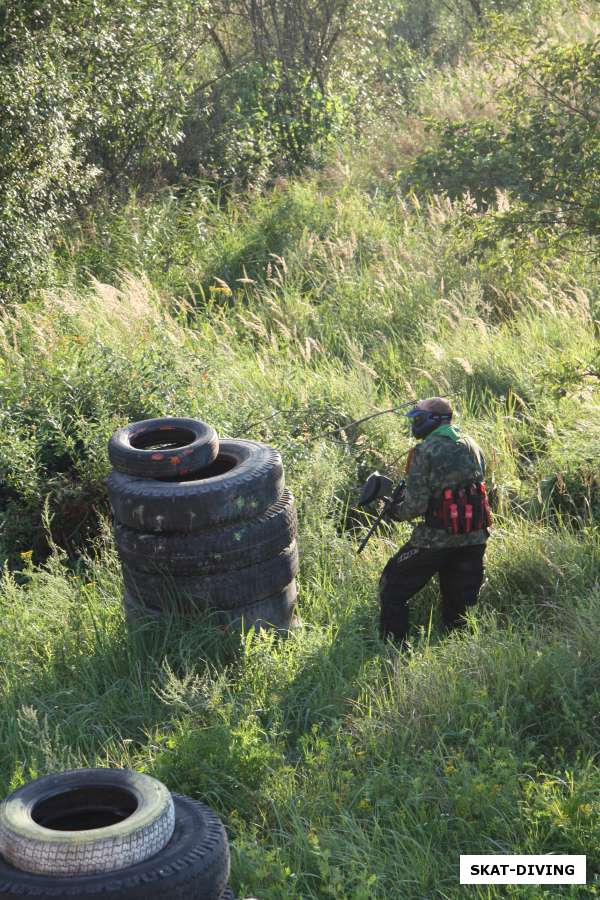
{"x":341,"y":769}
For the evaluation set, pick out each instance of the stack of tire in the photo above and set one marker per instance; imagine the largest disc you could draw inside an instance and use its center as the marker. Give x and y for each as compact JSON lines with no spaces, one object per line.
{"x":202,"y":524}
{"x":111,"y":834}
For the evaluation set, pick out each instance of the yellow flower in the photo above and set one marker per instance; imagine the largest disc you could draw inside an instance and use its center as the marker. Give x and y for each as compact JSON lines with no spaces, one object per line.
{"x":26,"y":554}
{"x":220,"y":289}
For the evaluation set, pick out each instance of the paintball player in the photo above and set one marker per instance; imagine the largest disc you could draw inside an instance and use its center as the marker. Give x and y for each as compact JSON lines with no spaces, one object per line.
{"x":445,"y":483}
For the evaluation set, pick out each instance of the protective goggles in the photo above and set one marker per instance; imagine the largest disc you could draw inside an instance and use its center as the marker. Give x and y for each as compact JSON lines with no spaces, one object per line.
{"x":419,"y":417}
{"x":423,"y":421}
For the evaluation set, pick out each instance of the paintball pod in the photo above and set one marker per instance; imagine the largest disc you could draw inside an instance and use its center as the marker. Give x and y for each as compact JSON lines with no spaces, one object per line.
{"x":376,"y":487}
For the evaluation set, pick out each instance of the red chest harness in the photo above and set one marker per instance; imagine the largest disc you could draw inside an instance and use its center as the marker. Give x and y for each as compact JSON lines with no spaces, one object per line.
{"x":461,"y":510}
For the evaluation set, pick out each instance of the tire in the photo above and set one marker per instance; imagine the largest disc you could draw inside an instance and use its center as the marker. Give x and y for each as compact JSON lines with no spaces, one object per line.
{"x":212,"y":550}
{"x":224,"y":590}
{"x":194,"y":865}
{"x":121,"y":818}
{"x":135,"y":449}
{"x":135,"y":610}
{"x":244,"y":480}
{"x":273,"y":612}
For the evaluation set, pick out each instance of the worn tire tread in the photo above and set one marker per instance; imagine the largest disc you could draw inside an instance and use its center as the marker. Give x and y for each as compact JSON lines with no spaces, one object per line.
{"x":212,"y":550}
{"x":223,"y":590}
{"x":183,"y":506}
{"x":201,"y":872}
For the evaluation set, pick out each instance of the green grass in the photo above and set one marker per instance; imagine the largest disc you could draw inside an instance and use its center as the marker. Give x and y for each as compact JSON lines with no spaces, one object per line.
{"x":341,"y":768}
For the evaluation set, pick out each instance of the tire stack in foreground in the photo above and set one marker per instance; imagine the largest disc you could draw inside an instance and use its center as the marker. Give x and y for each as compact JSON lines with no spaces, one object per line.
{"x":203,"y":524}
{"x":113,"y":834}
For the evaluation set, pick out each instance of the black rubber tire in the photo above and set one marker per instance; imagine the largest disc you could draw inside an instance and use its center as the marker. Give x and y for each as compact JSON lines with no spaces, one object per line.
{"x":136,"y":610}
{"x":193,"y":866}
{"x":43,"y":828}
{"x":224,"y":590}
{"x":212,"y":550}
{"x":196,"y":446}
{"x":273,"y":612}
{"x":251,"y":482}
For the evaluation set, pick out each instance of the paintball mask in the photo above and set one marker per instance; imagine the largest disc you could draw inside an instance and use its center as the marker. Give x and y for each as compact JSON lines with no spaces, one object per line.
{"x":428,"y":415}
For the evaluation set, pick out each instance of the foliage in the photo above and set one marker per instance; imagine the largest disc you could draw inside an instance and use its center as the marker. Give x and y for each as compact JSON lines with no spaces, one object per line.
{"x":286,"y":84}
{"x":91,"y":94}
{"x":307,"y":282}
{"x":128,"y":65}
{"x":544,"y":151}
{"x":472,"y":157}
{"x":439,"y":30}
{"x":417,"y":39}
{"x":43,"y":171}
{"x":259,"y":120}
{"x":558,"y":140}
{"x":325,"y":756}
{"x":102,"y":96}
{"x":97,"y":95}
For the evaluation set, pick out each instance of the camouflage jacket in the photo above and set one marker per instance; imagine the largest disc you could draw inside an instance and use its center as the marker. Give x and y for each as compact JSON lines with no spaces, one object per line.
{"x":443,"y":459}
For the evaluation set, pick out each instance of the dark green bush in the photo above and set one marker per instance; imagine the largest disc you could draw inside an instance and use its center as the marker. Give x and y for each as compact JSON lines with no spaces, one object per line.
{"x":91,"y":94}
{"x":257,"y":121}
{"x":472,"y":157}
{"x":544,"y":149}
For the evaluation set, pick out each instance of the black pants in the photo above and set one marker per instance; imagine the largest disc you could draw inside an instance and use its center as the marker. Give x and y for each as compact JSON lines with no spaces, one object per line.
{"x":460,"y":574}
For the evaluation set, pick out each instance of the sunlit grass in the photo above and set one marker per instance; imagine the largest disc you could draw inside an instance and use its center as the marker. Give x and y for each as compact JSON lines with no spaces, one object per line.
{"x":342,"y":768}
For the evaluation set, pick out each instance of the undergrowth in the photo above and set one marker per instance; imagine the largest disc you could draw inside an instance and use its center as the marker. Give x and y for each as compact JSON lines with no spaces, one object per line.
{"x":342,"y":768}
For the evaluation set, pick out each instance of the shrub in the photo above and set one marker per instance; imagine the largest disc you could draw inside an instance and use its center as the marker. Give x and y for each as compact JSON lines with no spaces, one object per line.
{"x":91,"y":94}
{"x":43,"y":171}
{"x":545,"y":150}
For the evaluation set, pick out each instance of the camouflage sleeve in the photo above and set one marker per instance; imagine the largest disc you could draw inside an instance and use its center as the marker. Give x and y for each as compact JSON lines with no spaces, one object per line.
{"x":416,"y":496}
{"x":479,"y":455}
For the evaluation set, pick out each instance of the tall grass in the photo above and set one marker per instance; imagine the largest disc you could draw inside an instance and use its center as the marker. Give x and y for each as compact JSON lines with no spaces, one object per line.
{"x":342,"y":768}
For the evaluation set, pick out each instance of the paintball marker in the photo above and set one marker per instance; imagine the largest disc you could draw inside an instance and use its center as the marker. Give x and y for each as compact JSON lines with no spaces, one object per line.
{"x":374,"y":488}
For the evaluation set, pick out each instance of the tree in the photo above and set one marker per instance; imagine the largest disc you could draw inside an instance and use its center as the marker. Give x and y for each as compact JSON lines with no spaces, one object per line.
{"x":544,"y":150}
{"x":284,"y":83}
{"x":91,"y":94}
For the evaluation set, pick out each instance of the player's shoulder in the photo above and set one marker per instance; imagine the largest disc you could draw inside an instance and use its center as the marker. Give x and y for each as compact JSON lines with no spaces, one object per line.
{"x":436,"y":445}
{"x":416,"y":456}
{"x":471,"y":443}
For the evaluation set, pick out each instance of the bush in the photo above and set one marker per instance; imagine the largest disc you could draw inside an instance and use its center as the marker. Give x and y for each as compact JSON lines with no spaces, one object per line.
{"x":259,"y":121}
{"x":92,"y":95}
{"x":545,"y":151}
{"x":43,"y":169}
